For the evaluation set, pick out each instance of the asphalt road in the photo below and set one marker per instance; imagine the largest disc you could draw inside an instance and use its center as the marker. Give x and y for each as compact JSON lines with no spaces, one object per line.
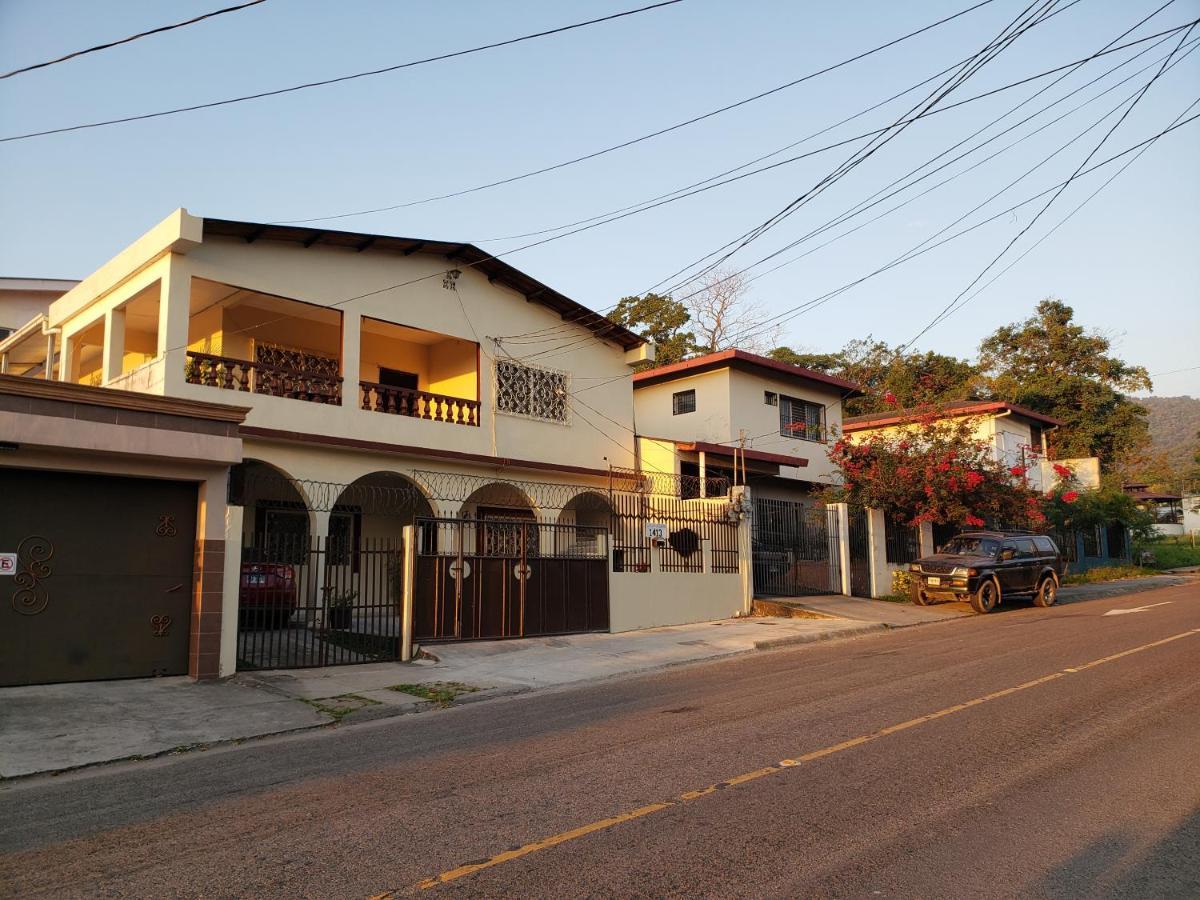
{"x":1026,"y":753}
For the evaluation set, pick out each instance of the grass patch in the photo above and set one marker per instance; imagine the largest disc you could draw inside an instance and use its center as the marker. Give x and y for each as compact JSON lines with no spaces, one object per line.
{"x":341,"y":706}
{"x":441,"y":692}
{"x":1173,"y":553}
{"x":1108,"y":573}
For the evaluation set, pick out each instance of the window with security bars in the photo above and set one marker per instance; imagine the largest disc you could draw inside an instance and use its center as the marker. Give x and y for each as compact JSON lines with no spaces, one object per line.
{"x":531,"y":391}
{"x":801,"y":419}
{"x":683,"y":402}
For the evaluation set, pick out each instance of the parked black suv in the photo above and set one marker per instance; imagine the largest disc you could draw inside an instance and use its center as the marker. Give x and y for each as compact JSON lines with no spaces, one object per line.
{"x":986,"y":566}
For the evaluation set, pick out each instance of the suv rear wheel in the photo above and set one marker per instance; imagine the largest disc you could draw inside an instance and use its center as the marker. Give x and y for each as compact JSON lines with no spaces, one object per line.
{"x":1047,"y":592}
{"x":984,"y":600}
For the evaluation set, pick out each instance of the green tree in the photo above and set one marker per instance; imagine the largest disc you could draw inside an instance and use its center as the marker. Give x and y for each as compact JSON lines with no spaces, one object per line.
{"x":1057,"y":367}
{"x":822,"y":362}
{"x":661,"y":320}
{"x":911,"y":380}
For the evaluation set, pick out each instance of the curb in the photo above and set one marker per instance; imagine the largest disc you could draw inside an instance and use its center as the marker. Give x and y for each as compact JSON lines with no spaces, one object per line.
{"x":772,"y":643}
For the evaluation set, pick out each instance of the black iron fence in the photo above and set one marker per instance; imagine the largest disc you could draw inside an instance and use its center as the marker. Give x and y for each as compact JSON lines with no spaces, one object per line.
{"x":688,"y":524}
{"x":903,"y":541}
{"x":319,"y":601}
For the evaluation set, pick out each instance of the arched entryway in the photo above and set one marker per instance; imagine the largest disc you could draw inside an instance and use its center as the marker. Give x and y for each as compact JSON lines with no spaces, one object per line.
{"x":588,"y":517}
{"x":276,"y":513}
{"x":361,"y":601}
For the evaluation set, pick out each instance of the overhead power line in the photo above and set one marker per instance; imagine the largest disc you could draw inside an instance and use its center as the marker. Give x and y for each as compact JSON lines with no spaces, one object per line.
{"x":646,"y":137}
{"x":682,"y":193}
{"x":1068,"y":70}
{"x":341,"y":78}
{"x":1027,"y":19}
{"x":955,"y":304}
{"x":131,"y":38}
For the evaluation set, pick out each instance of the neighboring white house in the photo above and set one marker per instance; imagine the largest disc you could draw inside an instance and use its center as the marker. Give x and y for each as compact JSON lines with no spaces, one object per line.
{"x":1016,"y":434}
{"x":23,"y":305}
{"x":746,"y":418}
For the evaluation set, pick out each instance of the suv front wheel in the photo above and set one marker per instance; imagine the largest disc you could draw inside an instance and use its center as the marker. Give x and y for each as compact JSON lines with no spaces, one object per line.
{"x":984,"y":599}
{"x":1047,"y":592}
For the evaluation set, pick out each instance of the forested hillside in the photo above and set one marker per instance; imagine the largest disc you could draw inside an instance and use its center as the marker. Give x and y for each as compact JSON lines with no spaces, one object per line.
{"x":1174,"y":422}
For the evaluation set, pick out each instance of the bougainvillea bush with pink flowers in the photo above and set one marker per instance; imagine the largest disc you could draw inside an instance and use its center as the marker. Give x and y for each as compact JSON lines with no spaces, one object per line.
{"x":935,"y":470}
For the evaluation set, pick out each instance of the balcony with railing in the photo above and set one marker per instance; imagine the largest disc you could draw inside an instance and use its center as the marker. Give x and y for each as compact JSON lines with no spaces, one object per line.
{"x":400,"y":401}
{"x":421,"y":374}
{"x":263,"y":378}
{"x":242,"y":340}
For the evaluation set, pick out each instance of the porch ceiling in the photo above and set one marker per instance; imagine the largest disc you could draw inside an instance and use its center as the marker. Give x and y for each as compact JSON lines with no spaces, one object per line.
{"x":495,"y":269}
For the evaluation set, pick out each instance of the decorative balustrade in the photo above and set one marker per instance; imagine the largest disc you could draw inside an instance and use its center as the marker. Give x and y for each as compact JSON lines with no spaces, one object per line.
{"x":418,"y":404}
{"x":260,"y":378}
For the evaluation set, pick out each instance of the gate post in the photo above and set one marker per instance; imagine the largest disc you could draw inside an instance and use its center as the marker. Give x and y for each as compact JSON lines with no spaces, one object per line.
{"x":926,"y":539}
{"x":318,"y":545}
{"x":741,"y":497}
{"x":877,"y":553}
{"x":842,"y":511}
{"x":231,"y":583}
{"x":408,"y":585}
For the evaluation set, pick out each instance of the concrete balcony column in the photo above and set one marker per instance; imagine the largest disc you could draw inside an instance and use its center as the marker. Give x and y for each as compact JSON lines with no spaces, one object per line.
{"x":351,"y":358}
{"x":68,"y":364}
{"x":174,"y":312}
{"x":114,"y":344}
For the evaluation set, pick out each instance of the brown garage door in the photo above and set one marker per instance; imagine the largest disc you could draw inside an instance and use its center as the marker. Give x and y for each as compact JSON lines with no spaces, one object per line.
{"x":103,"y":580}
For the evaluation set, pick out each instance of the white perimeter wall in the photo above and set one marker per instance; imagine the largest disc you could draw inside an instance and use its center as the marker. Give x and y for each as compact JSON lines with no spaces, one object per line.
{"x":649,"y":599}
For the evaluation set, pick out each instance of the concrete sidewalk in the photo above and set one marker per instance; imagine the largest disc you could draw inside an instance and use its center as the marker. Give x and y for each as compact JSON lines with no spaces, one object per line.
{"x":52,"y":728}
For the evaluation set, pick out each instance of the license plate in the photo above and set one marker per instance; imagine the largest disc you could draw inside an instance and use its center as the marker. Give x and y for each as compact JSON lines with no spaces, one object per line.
{"x":934,"y":581}
{"x":256,"y":579}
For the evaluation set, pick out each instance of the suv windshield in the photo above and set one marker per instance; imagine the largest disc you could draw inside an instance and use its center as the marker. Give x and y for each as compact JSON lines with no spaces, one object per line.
{"x":972,"y":546}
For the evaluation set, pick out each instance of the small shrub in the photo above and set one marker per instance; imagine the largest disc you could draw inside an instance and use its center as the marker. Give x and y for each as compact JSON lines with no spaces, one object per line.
{"x":902,"y":582}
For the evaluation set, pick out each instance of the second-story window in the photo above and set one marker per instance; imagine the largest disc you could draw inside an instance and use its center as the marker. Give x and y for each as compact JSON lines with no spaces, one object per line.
{"x":683,"y":402}
{"x":801,"y":419}
{"x":532,"y":391}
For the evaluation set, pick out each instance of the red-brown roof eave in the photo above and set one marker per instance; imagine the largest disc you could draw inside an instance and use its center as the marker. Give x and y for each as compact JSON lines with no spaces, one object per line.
{"x":740,"y":359}
{"x":779,"y":459}
{"x":962,"y":408}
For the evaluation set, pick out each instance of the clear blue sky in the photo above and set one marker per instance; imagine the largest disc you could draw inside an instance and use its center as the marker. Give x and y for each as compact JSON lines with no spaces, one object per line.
{"x":1129,"y":262}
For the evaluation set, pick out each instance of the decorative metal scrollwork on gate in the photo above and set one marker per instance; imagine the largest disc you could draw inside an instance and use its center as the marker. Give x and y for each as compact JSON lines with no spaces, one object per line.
{"x":160,"y":625}
{"x":166,"y":527}
{"x":31,"y":596}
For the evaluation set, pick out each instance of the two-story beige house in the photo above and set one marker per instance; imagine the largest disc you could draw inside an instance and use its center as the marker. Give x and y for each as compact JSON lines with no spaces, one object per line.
{"x":377,"y":388}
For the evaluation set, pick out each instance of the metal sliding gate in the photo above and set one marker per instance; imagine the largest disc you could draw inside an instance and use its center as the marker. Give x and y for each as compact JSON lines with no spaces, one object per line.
{"x":316,"y":601}
{"x":500,"y":577}
{"x":794,"y":547}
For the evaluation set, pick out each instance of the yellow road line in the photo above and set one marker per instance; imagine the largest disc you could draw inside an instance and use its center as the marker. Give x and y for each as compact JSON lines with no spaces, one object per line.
{"x":688,"y":796}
